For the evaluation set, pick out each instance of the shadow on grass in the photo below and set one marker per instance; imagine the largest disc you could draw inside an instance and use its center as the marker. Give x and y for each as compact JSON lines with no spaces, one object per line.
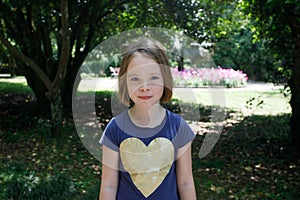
{"x":252,"y":160}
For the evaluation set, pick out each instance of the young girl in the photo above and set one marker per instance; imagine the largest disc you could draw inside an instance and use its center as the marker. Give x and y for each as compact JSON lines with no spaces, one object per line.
{"x":147,"y":149}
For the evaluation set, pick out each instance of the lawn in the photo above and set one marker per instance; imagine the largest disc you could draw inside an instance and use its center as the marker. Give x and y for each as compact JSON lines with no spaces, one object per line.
{"x":252,"y":159}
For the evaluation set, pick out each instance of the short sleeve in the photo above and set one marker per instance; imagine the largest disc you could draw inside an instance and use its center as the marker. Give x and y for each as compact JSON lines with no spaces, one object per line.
{"x":109,"y":137}
{"x":184,"y":134}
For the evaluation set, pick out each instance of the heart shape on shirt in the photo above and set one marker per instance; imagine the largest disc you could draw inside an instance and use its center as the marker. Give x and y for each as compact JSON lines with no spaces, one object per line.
{"x":147,"y":165}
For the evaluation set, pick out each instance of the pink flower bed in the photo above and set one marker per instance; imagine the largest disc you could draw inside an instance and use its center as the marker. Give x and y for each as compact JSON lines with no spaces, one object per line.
{"x":204,"y":77}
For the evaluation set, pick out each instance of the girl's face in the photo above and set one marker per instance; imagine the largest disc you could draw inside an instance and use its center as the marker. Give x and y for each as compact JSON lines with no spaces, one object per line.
{"x":144,"y":81}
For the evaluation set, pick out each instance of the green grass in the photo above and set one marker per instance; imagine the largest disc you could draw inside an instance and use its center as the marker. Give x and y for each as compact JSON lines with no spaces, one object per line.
{"x":17,"y":84}
{"x":253,"y":158}
{"x":272,"y":102}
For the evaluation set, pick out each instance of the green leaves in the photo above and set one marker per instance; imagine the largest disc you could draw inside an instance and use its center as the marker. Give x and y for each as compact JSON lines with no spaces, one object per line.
{"x":30,"y":186}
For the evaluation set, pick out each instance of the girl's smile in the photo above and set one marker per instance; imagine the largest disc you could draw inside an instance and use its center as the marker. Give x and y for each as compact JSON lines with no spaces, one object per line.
{"x":145,"y":97}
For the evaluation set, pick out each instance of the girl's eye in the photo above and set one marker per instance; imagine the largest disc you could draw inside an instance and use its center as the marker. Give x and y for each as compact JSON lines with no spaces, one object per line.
{"x":153,"y":78}
{"x":134,"y":79}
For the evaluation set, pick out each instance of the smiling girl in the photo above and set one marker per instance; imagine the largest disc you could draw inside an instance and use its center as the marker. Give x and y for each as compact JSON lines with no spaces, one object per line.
{"x":146,"y":149}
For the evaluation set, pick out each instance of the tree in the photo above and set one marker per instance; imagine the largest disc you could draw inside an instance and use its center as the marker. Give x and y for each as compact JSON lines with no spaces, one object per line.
{"x":237,"y":47}
{"x":53,"y":86}
{"x":51,"y":39}
{"x":279,"y":23}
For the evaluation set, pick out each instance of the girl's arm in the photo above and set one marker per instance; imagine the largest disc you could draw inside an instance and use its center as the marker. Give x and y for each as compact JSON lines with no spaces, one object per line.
{"x":110,"y":174}
{"x":184,"y":173}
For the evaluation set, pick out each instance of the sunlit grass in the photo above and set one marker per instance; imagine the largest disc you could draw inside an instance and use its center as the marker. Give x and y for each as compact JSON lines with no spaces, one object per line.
{"x":16,"y":84}
{"x":248,"y":101}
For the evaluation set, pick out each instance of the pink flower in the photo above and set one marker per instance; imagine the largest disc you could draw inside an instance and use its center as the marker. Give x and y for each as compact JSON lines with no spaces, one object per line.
{"x":210,"y":77}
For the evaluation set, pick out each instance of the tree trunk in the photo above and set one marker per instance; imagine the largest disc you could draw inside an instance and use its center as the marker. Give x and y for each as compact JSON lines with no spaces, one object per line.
{"x":294,"y":121}
{"x":49,"y":107}
{"x":69,"y":83}
{"x":39,"y":89}
{"x":56,"y":114}
{"x":12,"y":66}
{"x":294,"y":84}
{"x":67,"y":91}
{"x":180,"y":63}
{"x":54,"y":93}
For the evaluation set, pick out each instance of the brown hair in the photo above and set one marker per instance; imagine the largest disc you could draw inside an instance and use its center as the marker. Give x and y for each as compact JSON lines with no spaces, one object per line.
{"x":153,"y":49}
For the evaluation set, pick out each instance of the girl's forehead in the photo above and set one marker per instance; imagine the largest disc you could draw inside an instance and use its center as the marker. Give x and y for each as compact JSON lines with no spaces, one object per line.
{"x":142,"y":63}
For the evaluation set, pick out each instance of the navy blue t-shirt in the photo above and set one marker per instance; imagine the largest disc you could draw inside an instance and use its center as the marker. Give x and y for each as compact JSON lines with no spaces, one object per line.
{"x":173,"y":128}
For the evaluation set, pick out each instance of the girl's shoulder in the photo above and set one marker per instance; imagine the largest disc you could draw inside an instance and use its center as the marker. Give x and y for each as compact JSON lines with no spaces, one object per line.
{"x":173,"y":116}
{"x":119,"y":118}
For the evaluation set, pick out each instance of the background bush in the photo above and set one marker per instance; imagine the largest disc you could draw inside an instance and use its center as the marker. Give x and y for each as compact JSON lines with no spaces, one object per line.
{"x":29,"y":186}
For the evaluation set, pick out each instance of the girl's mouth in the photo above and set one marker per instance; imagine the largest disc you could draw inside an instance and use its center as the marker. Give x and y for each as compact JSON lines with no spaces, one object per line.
{"x":145,"y":97}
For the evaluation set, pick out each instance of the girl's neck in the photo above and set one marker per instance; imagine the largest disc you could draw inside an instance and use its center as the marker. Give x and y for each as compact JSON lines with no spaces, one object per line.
{"x":148,"y":118}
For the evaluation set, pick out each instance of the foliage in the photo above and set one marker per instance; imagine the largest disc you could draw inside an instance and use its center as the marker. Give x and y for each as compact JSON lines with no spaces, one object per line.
{"x":237,"y":45}
{"x":271,"y":20}
{"x":97,"y":64}
{"x":242,"y":51}
{"x":200,"y":19}
{"x":254,"y":103}
{"x":199,"y":77}
{"x":43,"y":126}
{"x":29,"y":186}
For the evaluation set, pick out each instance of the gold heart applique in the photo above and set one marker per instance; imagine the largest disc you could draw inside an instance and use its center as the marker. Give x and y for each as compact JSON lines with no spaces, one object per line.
{"x":147,"y":165}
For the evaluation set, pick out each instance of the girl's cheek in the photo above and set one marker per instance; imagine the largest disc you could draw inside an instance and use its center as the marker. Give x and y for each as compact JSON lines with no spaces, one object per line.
{"x":131,"y":89}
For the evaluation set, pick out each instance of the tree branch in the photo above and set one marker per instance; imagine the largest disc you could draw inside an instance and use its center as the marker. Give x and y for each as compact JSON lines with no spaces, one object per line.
{"x":63,"y":61}
{"x":30,"y":63}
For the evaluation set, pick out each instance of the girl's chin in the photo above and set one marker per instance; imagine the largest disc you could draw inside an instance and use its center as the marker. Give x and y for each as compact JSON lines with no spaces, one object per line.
{"x":145,"y":104}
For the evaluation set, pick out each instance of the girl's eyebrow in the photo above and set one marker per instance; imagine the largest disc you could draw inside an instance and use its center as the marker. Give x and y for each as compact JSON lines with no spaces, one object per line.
{"x":131,"y":74}
{"x":153,"y":73}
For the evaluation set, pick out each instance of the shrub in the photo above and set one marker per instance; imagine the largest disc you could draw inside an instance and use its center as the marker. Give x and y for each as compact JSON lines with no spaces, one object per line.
{"x":203,"y":77}
{"x":31,"y":187}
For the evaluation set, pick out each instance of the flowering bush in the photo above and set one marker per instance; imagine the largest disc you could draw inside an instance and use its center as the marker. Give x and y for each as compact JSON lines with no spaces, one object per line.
{"x":202,"y":77}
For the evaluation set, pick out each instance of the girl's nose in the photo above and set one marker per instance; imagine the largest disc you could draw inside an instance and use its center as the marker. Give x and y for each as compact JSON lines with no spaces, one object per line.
{"x":145,"y":86}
